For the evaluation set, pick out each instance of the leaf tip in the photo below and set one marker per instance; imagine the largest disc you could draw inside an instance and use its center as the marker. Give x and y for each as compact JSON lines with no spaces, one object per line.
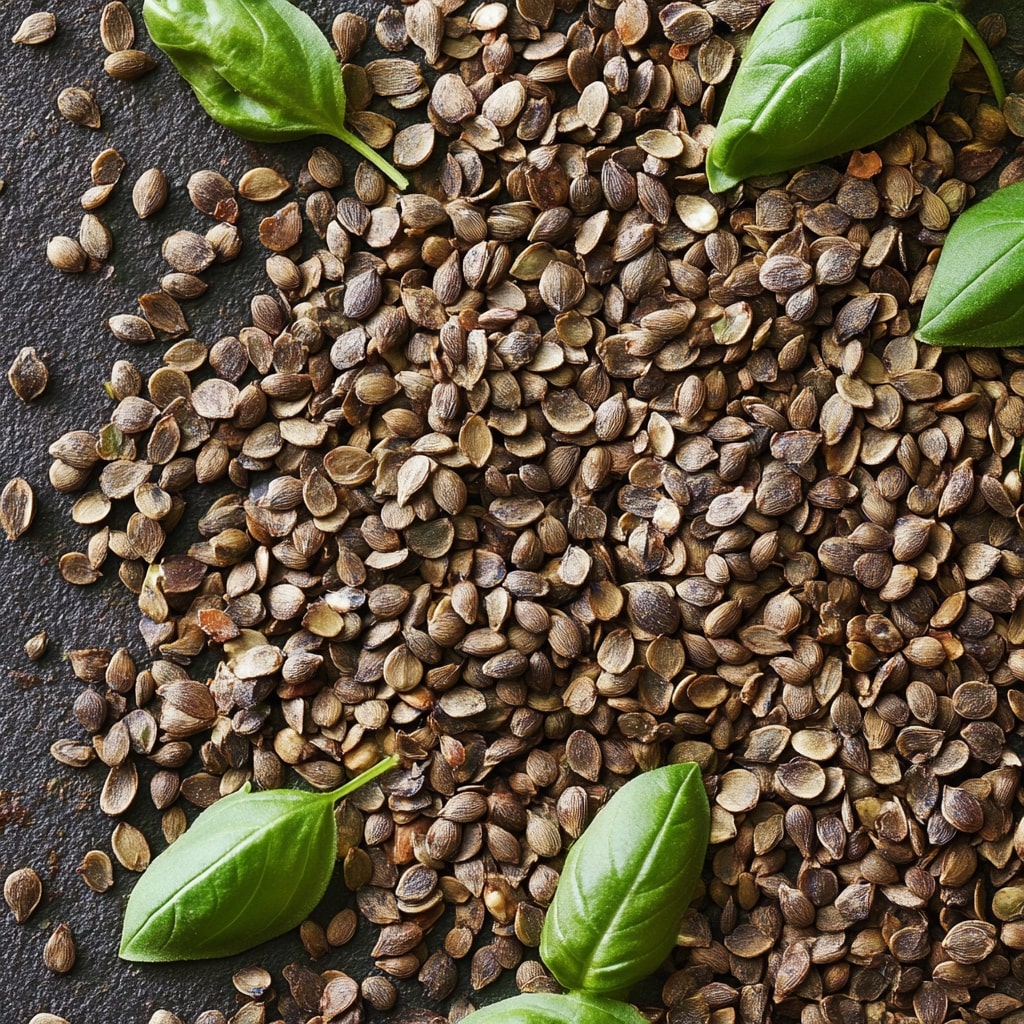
{"x":719,"y":180}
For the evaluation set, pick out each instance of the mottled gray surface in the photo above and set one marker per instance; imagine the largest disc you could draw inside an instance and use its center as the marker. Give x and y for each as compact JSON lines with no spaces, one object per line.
{"x":48,"y":813}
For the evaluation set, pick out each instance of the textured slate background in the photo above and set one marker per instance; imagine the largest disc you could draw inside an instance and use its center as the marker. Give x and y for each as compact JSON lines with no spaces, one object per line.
{"x":48,"y":813}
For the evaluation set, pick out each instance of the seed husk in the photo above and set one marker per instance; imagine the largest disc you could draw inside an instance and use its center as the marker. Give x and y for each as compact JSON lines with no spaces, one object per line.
{"x":107,"y":167}
{"x":96,"y":871}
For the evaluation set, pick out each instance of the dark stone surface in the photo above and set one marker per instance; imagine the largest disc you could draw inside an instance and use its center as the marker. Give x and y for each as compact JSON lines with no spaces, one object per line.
{"x":48,"y":813}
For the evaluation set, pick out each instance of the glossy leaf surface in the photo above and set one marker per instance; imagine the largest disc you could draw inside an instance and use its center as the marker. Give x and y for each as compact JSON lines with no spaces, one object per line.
{"x":976,"y":298}
{"x":627,"y":882}
{"x":547,"y":1008}
{"x":823,"y":77}
{"x":260,"y":67}
{"x":250,"y":867}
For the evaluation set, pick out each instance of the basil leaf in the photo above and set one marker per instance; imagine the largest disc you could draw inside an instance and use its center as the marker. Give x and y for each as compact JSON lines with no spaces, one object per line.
{"x":823,"y":77}
{"x":547,"y":1008}
{"x":260,"y":67}
{"x":627,"y":882}
{"x":976,"y":298}
{"x":252,"y":866}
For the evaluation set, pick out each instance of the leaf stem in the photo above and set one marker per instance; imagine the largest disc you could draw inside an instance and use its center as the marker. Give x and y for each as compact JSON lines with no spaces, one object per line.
{"x":973,"y":38}
{"x":350,"y":139}
{"x":369,"y":775}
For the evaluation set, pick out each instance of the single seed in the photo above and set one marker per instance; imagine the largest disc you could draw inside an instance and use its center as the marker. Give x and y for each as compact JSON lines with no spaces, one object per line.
{"x":78,"y":106}
{"x":23,"y":890}
{"x":150,"y":192}
{"x":59,"y":953}
{"x":37,"y":28}
{"x":28,"y":375}
{"x":127,"y":65}
{"x":117,"y":29}
{"x":17,"y":507}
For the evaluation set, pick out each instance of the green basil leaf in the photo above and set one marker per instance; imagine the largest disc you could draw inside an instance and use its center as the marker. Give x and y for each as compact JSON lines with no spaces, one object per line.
{"x":260,"y":67}
{"x":976,"y":298}
{"x":823,"y":77}
{"x":627,"y":882}
{"x":547,"y":1008}
{"x":252,"y":866}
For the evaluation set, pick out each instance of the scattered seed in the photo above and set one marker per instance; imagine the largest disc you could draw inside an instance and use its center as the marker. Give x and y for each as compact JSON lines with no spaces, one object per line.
{"x":78,"y":106}
{"x":28,"y":375}
{"x":59,"y":953}
{"x":17,"y":507}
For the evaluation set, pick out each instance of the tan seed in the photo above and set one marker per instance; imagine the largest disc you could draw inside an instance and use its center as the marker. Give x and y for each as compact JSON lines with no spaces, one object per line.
{"x":37,"y":28}
{"x":66,"y":254}
{"x":23,"y":890}
{"x":127,"y":65}
{"x":130,"y":847}
{"x":28,"y":375}
{"x":79,"y":107}
{"x":150,"y":192}
{"x":17,"y":507}
{"x":262,"y":184}
{"x":59,"y":953}
{"x":117,"y":29}
{"x":96,"y":871}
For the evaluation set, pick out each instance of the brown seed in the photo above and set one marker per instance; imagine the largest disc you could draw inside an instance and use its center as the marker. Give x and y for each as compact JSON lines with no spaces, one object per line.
{"x":36,"y":28}
{"x":96,"y":871}
{"x":130,"y":847}
{"x":79,"y":107}
{"x":28,"y":375}
{"x":23,"y":890}
{"x":117,"y":29}
{"x":66,"y":254}
{"x":413,"y":146}
{"x":95,"y":238}
{"x":17,"y":507}
{"x":262,"y":184}
{"x":211,"y":193}
{"x":150,"y":192}
{"x":59,"y":953}
{"x":188,"y":252}
{"x":127,"y":65}
{"x":36,"y":645}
